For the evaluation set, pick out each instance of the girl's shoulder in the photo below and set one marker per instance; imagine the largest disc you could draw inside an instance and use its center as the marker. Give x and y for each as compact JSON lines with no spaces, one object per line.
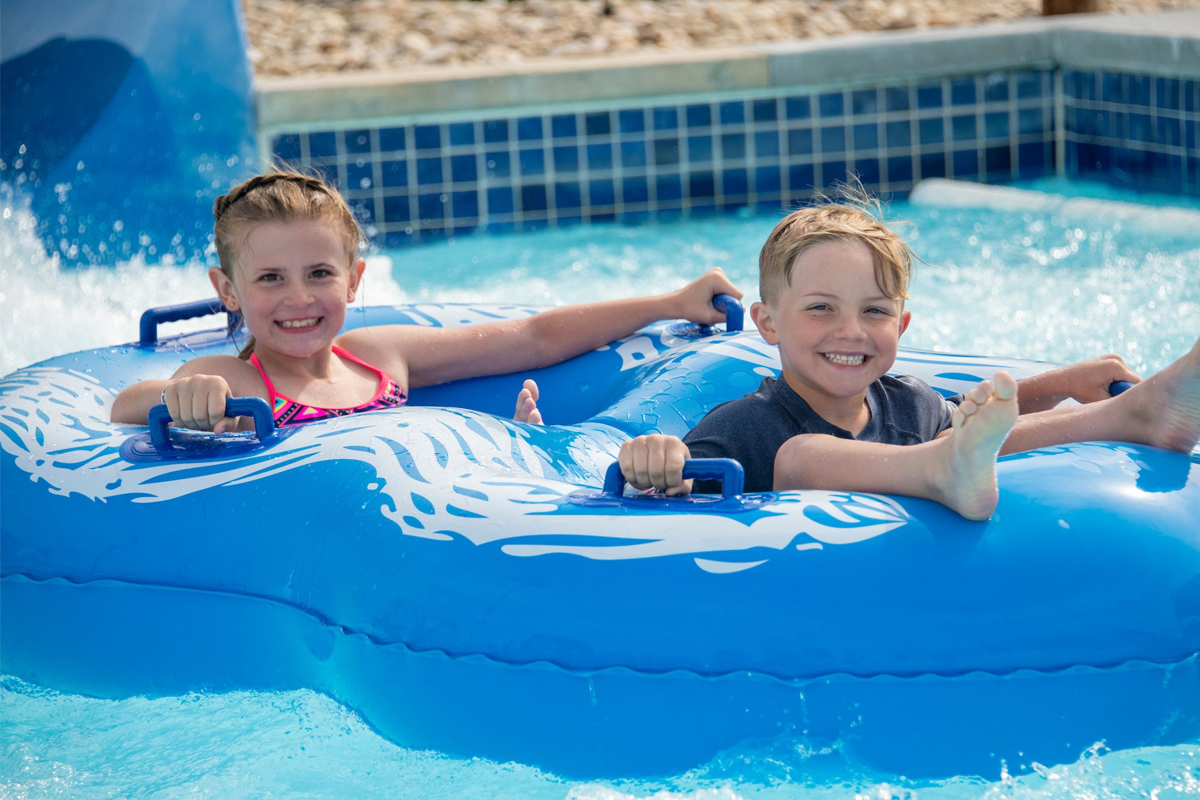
{"x":242,"y":376}
{"x":383,"y":347}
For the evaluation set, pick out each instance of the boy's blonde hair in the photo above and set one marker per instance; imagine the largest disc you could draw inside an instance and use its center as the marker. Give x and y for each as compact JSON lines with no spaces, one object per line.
{"x":278,"y":196}
{"x":853,"y":217}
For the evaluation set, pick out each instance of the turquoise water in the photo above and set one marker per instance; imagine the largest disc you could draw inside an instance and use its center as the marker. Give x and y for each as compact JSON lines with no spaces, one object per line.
{"x":1004,"y":283}
{"x":302,"y":745}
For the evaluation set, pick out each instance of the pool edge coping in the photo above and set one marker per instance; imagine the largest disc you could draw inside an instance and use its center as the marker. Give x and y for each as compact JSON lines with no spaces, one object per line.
{"x":1163,"y":43}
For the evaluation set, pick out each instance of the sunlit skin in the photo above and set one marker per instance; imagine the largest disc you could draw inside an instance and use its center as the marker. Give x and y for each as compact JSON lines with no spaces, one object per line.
{"x":842,"y":331}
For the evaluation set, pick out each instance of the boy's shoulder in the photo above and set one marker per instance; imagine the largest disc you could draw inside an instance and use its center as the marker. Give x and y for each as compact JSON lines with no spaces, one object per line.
{"x":748,"y":410}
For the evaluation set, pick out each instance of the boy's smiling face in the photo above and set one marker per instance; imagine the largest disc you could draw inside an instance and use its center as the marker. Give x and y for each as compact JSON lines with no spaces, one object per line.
{"x":836,"y":330}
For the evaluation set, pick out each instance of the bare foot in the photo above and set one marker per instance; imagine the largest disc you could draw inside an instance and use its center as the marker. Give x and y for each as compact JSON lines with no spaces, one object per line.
{"x":967,"y":482}
{"x":1166,"y":407}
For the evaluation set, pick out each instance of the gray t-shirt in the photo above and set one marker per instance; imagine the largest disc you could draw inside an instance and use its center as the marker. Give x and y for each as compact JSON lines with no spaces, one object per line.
{"x":751,"y":429}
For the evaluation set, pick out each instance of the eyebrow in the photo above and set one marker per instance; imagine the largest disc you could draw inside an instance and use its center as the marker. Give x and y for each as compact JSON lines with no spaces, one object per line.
{"x":819,"y":295}
{"x":309,"y":266}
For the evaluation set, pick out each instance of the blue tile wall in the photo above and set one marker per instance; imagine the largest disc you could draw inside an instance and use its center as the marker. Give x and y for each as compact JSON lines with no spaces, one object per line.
{"x":663,"y":161}
{"x":1136,"y":130}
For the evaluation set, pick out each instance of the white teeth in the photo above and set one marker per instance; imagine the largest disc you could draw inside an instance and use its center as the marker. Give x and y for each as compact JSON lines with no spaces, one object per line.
{"x":300,"y":323}
{"x":849,"y":361}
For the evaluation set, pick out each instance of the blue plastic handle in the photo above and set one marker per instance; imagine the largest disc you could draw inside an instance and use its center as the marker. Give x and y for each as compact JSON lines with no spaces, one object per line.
{"x":734,"y":315}
{"x":153,"y":316}
{"x":264,"y":422}
{"x":726,"y":470}
{"x":1116,"y":387}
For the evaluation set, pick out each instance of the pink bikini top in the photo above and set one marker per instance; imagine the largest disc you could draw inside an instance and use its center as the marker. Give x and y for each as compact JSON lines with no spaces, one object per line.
{"x":289,"y":412}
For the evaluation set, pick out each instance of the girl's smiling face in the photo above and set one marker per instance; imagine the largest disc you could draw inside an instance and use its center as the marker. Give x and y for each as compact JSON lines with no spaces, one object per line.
{"x":292,"y":284}
{"x":836,"y":330}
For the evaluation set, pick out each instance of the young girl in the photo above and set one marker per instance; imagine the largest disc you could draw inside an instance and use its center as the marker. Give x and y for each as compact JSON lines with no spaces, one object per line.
{"x":288,"y":247}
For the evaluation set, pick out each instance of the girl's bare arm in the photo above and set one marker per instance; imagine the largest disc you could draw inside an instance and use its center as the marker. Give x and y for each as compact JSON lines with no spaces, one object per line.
{"x":427,"y":356}
{"x":196,"y":393}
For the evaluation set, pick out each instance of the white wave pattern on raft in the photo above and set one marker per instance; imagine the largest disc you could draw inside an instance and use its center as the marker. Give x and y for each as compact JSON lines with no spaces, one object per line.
{"x":458,"y":473}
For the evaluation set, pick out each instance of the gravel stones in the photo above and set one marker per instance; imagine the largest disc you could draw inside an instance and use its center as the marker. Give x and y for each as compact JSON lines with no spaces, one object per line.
{"x":306,"y":37}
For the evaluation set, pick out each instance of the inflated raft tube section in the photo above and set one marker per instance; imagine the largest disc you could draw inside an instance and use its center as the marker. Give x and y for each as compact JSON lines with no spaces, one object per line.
{"x":466,"y":584}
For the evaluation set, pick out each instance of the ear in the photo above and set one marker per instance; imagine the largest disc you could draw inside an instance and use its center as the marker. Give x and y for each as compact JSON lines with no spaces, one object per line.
{"x":224,"y":287}
{"x":905,"y":318}
{"x":356,"y":274}
{"x":762,"y":315}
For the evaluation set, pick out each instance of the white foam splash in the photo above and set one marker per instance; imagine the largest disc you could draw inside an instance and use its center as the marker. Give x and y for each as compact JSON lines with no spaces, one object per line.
{"x":949,"y":193}
{"x":48,"y":308}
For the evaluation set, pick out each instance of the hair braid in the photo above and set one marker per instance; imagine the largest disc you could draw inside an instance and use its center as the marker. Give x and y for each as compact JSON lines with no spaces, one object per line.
{"x":258,"y":181}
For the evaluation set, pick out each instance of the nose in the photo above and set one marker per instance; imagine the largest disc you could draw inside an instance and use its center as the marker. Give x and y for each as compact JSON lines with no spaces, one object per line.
{"x":299,"y":294}
{"x":849,"y":327}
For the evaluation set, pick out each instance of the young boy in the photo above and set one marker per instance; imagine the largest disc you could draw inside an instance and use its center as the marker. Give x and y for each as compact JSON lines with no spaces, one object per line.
{"x":833,"y":281}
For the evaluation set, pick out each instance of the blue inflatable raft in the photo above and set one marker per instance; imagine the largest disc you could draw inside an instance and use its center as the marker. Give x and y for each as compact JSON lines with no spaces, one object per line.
{"x":467,"y":585}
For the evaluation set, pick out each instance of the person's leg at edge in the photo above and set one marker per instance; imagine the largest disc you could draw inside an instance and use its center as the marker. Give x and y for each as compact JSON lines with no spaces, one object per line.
{"x":1161,"y":411}
{"x":957,"y":470}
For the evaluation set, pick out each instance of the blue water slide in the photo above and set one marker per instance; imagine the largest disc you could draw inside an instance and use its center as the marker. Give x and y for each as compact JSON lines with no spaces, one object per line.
{"x":122,"y":120}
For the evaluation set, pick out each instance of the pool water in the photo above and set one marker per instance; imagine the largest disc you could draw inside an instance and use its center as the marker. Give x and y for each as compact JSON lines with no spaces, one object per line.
{"x":1009,"y":283}
{"x":302,"y":745}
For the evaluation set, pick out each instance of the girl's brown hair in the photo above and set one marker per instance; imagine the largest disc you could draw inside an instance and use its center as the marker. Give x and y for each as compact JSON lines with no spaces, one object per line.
{"x":278,"y":196}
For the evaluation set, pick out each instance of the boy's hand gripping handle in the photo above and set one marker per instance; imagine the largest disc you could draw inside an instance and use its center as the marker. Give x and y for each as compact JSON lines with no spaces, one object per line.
{"x":726,"y":470}
{"x":1116,"y":387}
{"x":159,"y":418}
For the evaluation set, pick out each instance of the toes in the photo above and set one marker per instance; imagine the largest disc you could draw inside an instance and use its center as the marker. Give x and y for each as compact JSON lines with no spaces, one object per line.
{"x":523,"y":401}
{"x":980,"y":393}
{"x":1006,"y":386}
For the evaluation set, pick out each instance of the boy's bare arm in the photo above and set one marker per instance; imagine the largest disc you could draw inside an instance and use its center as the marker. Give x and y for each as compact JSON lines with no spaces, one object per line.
{"x":1085,"y":382}
{"x":957,"y":470}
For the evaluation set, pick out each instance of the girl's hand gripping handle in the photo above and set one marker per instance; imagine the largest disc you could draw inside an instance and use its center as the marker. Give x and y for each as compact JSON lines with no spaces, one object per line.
{"x":702,"y":299}
{"x":256,"y":407}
